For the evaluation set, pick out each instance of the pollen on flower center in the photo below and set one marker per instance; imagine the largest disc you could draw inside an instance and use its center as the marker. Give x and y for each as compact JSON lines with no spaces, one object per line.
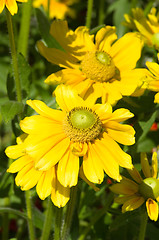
{"x":98,"y":66}
{"x":149,"y":188}
{"x":82,"y":124}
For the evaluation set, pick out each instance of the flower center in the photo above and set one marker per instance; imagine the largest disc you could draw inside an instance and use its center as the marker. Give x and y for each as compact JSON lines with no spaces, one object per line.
{"x":98,"y":66}
{"x":82,"y":125}
{"x":149,"y":188}
{"x":155,"y":39}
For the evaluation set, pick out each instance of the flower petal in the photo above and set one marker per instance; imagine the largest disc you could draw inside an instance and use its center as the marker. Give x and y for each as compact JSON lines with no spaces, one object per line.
{"x":12,"y":6}
{"x":19,"y":164}
{"x":135,"y":175}
{"x":128,"y":45}
{"x":121,"y":115}
{"x":105,"y":37}
{"x":152,"y":209}
{"x":125,"y":187}
{"x":154,"y":165}
{"x":68,"y":169}
{"x":145,"y":165}
{"x":133,"y":204}
{"x":15,"y":151}
{"x":44,"y":185}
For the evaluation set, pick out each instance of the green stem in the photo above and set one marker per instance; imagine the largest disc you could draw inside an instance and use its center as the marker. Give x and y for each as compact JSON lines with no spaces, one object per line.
{"x":69,"y":214}
{"x":142,"y":231}
{"x":5,"y":227}
{"x":30,"y":215}
{"x":48,"y":221}
{"x":14,"y":55}
{"x":13,"y":211}
{"x":24,"y":28}
{"x":98,"y":216}
{"x":101,"y":12}
{"x":89,"y":13}
{"x":58,"y":223}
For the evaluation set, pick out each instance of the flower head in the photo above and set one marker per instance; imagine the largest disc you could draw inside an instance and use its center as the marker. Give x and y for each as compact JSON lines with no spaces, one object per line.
{"x":46,"y":182}
{"x":133,"y":193}
{"x":57,"y":8}
{"x":151,"y":81}
{"x":100,"y":69}
{"x":81,"y":130}
{"x":11,"y":5}
{"x":147,"y":26}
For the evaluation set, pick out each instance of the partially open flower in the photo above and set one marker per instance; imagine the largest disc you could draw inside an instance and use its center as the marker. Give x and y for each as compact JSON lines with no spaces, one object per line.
{"x":133,"y":193}
{"x":102,"y":69}
{"x":11,"y":5}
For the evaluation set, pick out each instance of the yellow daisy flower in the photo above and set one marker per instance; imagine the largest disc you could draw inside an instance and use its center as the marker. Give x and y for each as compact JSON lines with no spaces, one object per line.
{"x":57,"y":8}
{"x":137,"y":191}
{"x":81,"y":129}
{"x":11,"y":5}
{"x":151,"y":81}
{"x":100,"y":69}
{"x":46,"y":182}
{"x":147,"y":26}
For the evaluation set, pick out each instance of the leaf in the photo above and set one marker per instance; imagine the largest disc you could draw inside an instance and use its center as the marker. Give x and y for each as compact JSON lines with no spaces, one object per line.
{"x":44,"y":27}
{"x":38,"y":218}
{"x":10,"y":109}
{"x":13,"y":211}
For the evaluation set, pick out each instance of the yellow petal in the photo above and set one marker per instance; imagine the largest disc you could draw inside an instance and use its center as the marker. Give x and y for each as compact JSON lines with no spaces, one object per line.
{"x":15,"y":151}
{"x":123,"y":199}
{"x":92,"y":166}
{"x":68,"y":169}
{"x":153,"y":67}
{"x":67,"y":98}
{"x":145,"y":165}
{"x":2,"y":5}
{"x":125,"y":187}
{"x":12,"y":6}
{"x":123,"y":134}
{"x":60,"y":195}
{"x":128,"y":45}
{"x":132,"y":204}
{"x":122,"y":158}
{"x":135,"y":175}
{"x":154,"y":165}
{"x":19,"y":164}
{"x":121,"y":115}
{"x":81,"y":174}
{"x":156,"y":98}
{"x":44,"y":185}
{"x":152,"y":209}
{"x":41,"y":108}
{"x":52,"y":156}
{"x":105,"y":37}
{"x":144,"y":30}
{"x":57,"y":57}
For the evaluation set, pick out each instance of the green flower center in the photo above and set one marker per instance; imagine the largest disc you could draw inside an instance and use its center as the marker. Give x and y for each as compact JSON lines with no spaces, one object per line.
{"x":98,"y":66}
{"x":149,"y":188}
{"x":155,"y":39}
{"x":82,"y":125}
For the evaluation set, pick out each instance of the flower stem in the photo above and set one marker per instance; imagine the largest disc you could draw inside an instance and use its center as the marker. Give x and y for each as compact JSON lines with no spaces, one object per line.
{"x":14,"y":56}
{"x":101,"y":12}
{"x":69,"y":214}
{"x":48,"y":221}
{"x":99,"y":214}
{"x":89,"y":13}
{"x":142,"y":231}
{"x":24,"y":28}
{"x":58,"y":223}
{"x":30,"y":215}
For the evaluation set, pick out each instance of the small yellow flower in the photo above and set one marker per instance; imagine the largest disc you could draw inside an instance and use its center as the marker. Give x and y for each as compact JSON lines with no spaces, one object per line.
{"x":137,"y":191}
{"x":100,"y":69}
{"x":57,"y":8}
{"x":151,"y":81}
{"x":46,"y":182}
{"x":11,"y":5}
{"x":147,"y":26}
{"x":80,"y":129}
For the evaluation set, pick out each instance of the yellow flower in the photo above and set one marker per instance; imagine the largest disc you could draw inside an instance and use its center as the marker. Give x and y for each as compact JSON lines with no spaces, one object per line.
{"x":46,"y":181}
{"x":137,"y":191}
{"x":151,"y":81}
{"x":81,"y":129}
{"x":11,"y":5}
{"x":95,"y":69}
{"x":147,"y":26}
{"x":57,"y":8}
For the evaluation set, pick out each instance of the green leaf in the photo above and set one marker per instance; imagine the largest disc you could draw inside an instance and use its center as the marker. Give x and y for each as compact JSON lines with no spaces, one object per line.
{"x":44,"y":27}
{"x":38,"y":218}
{"x":13,"y":211}
{"x":10,"y":109}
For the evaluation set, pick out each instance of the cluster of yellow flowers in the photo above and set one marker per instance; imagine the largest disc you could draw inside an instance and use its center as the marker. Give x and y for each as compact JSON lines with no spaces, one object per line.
{"x":81,"y":137}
